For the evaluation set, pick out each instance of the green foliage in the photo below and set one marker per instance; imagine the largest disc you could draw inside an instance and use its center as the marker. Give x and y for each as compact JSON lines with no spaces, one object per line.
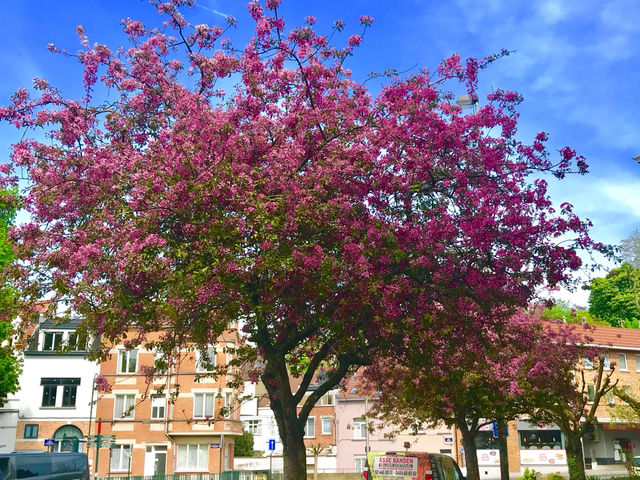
{"x":576,"y":471}
{"x":10,"y":364}
{"x":616,"y":297}
{"x":563,"y":311}
{"x":528,"y":474}
{"x":553,"y":476}
{"x":243,"y":446}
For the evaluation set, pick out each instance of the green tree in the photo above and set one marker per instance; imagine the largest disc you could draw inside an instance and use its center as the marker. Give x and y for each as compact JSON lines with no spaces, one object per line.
{"x":243,"y":446}
{"x":561,"y":310}
{"x":10,"y":362}
{"x":616,"y":297}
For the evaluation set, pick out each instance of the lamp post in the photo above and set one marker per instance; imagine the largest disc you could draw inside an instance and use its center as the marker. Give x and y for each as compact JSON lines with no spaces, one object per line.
{"x":467,"y":100}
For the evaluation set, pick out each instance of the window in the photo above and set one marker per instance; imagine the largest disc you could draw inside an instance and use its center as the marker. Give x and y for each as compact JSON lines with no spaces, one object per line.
{"x":418,"y":429}
{"x":206,"y":360}
{"x":622,"y":362}
{"x":588,"y":363}
{"x":327,"y":399}
{"x":77,"y":342}
{"x":626,"y":389}
{"x":204,"y":405}
{"x":253,"y":426}
{"x":157,"y":407}
{"x":540,"y":439}
{"x":50,"y":391}
{"x":51,"y":341}
{"x":605,"y":361}
{"x":192,"y":457}
{"x":69,"y":395}
{"x":610,"y":399}
{"x":326,"y":425}
{"x":591,"y":393}
{"x":159,"y":363}
{"x":359,"y":463}
{"x":124,"y":406}
{"x":49,"y":395}
{"x":227,"y":404}
{"x":31,"y":430}
{"x":128,"y":361}
{"x":310,"y":428}
{"x":359,"y":429}
{"x":121,"y":458}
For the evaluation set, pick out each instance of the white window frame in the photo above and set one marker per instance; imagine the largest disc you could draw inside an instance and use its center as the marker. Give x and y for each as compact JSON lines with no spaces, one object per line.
{"x":121,"y":449}
{"x":622,"y":359}
{"x":610,"y":399}
{"x":637,"y":358}
{"x":253,"y":426}
{"x":591,"y":388}
{"x":327,"y":399}
{"x":182,"y":466}
{"x":606,"y":364}
{"x":359,"y":462}
{"x":213,"y":358}
{"x":203,"y":412}
{"x":158,"y":356}
{"x":323,"y":423}
{"x":158,"y":403}
{"x":128,"y":405}
{"x":228,"y":404}
{"x":124,"y":361}
{"x":359,"y":429}
{"x":311,"y":423}
{"x":588,"y":363}
{"x":54,"y":345}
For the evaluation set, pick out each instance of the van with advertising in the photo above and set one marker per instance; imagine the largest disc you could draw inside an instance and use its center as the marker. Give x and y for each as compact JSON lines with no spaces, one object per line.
{"x":411,"y":466}
{"x":44,"y":466}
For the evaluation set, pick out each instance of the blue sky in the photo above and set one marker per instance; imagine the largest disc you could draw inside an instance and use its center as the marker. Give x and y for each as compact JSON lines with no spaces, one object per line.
{"x":577,"y":64}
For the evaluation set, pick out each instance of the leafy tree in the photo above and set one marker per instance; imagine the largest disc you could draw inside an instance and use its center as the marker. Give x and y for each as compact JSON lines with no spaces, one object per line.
{"x":561,"y":310}
{"x":330,"y":222}
{"x":569,"y":395}
{"x":10,"y":360}
{"x":476,"y":378}
{"x":243,"y":446}
{"x":616,"y":297}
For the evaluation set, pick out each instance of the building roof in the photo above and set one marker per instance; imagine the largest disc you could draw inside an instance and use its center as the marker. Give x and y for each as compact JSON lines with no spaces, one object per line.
{"x":625,"y":338}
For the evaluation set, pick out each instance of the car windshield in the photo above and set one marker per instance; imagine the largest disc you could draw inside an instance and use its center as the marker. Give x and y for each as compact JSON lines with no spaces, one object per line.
{"x":636,"y":461}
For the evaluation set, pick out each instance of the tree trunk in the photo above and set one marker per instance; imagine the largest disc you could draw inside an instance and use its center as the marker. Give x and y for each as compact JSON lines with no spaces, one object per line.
{"x":575,"y":459}
{"x":291,"y":428}
{"x":502,"y":445}
{"x":470,"y":453}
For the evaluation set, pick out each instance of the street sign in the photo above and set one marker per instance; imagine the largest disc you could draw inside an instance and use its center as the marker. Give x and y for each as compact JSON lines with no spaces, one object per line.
{"x":215,"y":445}
{"x":49,"y":442}
{"x":101,"y":441}
{"x":272,"y":444}
{"x":448,"y":439}
{"x":495,"y":429}
{"x":506,"y":431}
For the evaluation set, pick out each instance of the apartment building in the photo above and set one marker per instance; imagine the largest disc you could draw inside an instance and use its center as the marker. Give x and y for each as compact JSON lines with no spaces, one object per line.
{"x":54,"y":401}
{"x":182,"y":421}
{"x":319,"y":437}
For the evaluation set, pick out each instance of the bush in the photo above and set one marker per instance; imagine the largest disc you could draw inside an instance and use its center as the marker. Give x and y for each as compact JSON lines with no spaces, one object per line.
{"x":553,"y":476}
{"x":528,"y":474}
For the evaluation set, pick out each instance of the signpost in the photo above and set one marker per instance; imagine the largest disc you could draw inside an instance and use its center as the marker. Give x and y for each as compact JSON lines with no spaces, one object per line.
{"x":272,"y":447}
{"x":49,"y":442}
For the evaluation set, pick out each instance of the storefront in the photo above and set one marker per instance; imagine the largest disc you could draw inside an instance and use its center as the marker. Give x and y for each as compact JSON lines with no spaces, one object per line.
{"x":540,"y":445}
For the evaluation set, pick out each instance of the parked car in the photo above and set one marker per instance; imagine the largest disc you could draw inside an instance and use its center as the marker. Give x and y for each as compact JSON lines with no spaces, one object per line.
{"x":44,"y":466}
{"x":411,"y":465}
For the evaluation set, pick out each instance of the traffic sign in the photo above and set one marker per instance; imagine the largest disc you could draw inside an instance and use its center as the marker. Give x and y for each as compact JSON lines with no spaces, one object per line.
{"x":272,"y":444}
{"x":495,"y":429}
{"x":49,"y":442}
{"x":215,"y":445}
{"x":448,"y":439}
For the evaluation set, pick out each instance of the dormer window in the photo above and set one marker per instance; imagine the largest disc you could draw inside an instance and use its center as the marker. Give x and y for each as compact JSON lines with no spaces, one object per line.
{"x":51,"y":341}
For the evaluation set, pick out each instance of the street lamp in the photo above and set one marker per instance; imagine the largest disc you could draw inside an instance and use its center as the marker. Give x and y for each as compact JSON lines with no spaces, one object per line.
{"x":467,"y":100}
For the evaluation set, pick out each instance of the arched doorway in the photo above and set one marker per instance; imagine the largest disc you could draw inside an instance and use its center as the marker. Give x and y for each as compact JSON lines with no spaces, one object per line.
{"x":68,"y":439}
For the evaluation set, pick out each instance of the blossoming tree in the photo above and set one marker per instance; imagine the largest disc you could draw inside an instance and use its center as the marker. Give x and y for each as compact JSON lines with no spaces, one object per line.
{"x":320,"y":217}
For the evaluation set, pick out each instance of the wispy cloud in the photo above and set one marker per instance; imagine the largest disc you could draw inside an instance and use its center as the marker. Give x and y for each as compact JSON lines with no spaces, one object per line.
{"x":212,"y":10}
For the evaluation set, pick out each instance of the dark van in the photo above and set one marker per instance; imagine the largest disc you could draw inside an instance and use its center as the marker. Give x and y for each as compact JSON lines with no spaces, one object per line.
{"x":44,"y":466}
{"x":411,"y":466}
